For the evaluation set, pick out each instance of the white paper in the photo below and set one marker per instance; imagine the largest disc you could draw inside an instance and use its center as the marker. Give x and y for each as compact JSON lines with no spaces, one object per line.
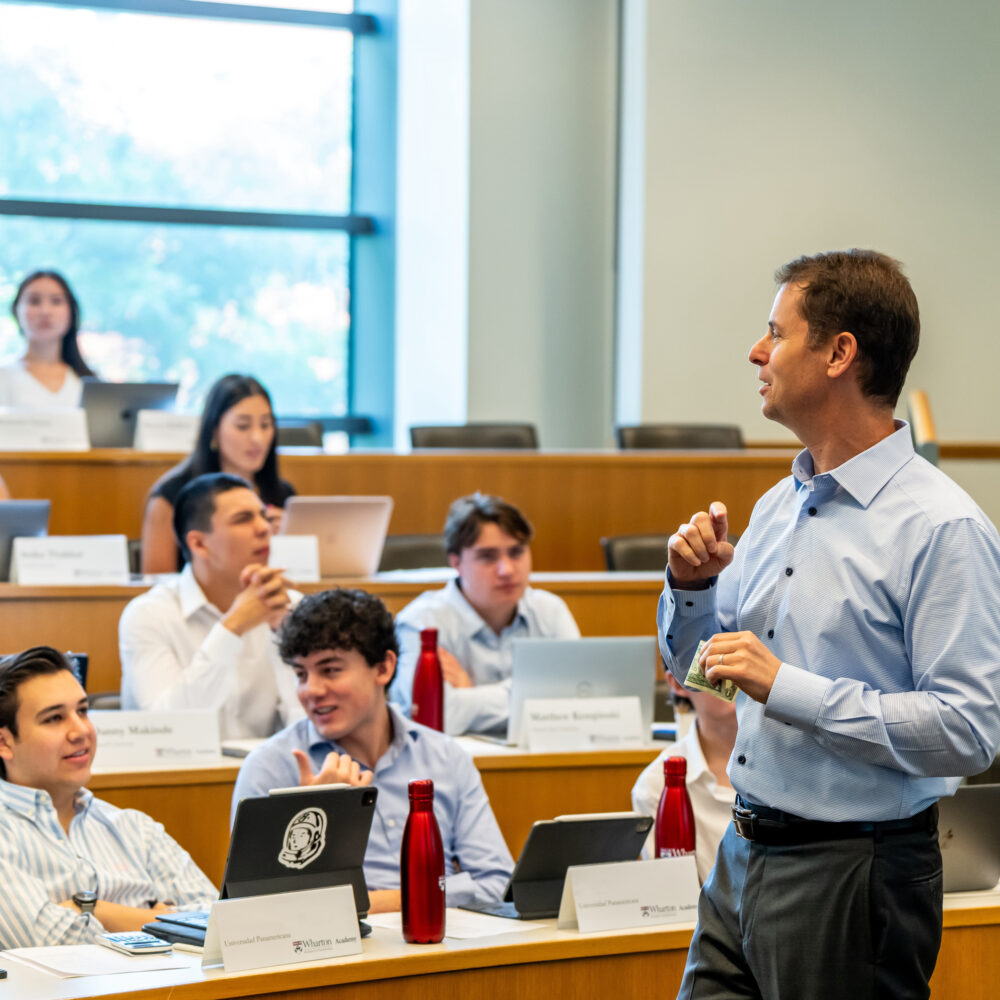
{"x":460,"y":924}
{"x":62,"y":430}
{"x":61,"y":560}
{"x":69,"y":960}
{"x":161,"y":430}
{"x":552,"y":725}
{"x":629,"y":894}
{"x":297,"y":555}
{"x":130,"y":740}
{"x":259,"y":932}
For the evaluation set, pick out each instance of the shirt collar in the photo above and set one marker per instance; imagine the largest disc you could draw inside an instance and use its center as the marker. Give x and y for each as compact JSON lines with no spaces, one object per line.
{"x":472,"y":621}
{"x":191,"y":596}
{"x":864,"y":475}
{"x":29,"y":802}
{"x":404,"y":731}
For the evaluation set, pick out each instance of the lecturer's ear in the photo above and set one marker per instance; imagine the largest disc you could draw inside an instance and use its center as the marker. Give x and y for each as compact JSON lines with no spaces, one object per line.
{"x":842,"y":351}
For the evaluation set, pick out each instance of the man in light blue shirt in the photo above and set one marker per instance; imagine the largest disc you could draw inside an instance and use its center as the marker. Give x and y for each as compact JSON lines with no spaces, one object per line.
{"x":478,"y":614}
{"x":860,"y":617}
{"x":342,"y":648}
{"x":72,"y":866}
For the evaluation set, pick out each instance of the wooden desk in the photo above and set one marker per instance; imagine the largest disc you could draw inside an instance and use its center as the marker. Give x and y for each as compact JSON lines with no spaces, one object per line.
{"x":544,"y":962}
{"x":193,"y":803}
{"x":573,"y":499}
{"x":85,"y":619}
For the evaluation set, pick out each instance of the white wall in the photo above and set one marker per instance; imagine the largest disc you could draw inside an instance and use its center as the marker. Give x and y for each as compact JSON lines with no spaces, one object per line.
{"x":780,"y":128}
{"x":541,"y":215}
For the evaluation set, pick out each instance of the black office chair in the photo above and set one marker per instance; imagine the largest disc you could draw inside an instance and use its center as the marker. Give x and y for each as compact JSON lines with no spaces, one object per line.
{"x":679,"y":436}
{"x":412,"y":552}
{"x":498,"y":436}
{"x":135,"y":556}
{"x":635,"y":553}
{"x":299,"y":433}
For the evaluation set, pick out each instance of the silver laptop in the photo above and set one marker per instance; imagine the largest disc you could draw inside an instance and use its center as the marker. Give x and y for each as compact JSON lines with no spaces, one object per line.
{"x":607,"y":667}
{"x":20,"y":519}
{"x":113,"y":407}
{"x":351,"y":531}
{"x":969,"y":834}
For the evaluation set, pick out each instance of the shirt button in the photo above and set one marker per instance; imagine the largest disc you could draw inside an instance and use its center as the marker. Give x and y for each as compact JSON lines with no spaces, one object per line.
{"x":788,"y":571}
{"x":741,"y":759}
{"x":812,"y":511}
{"x":689,"y":604}
{"x":390,"y":822}
{"x":770,"y":633}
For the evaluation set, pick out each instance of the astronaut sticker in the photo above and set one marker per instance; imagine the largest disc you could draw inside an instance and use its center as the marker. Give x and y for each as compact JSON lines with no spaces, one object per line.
{"x":305,"y":838}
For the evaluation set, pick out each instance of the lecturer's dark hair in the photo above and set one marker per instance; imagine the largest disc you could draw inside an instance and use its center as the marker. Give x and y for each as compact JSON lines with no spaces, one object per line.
{"x":70,"y":351}
{"x":865,"y":293}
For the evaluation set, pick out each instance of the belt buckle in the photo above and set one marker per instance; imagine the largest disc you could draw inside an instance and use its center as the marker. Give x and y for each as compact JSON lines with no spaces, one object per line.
{"x":745,"y":821}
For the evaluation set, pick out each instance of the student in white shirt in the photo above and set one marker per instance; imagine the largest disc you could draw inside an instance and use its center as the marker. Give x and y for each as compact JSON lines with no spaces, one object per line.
{"x":707,"y":746}
{"x":47,"y":376}
{"x":205,"y":639}
{"x":72,"y":866}
{"x":478,"y":614}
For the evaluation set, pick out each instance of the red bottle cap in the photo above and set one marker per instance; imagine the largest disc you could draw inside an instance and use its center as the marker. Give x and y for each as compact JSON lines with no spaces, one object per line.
{"x":429,"y":638}
{"x":421,"y":790}
{"x":675,"y":767}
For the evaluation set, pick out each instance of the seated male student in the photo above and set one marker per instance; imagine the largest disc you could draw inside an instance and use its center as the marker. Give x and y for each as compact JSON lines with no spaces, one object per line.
{"x":707,"y":746}
{"x":204,"y":639}
{"x":72,"y":866}
{"x":341,"y":648}
{"x":479,"y":613}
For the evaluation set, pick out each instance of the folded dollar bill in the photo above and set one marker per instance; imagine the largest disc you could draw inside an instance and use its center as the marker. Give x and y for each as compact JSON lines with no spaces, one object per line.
{"x":697,"y":681}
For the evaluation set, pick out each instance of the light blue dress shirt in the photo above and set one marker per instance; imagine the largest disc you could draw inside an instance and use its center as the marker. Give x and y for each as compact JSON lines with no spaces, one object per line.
{"x":486,"y":656}
{"x":477,"y":862}
{"x":878,"y":587}
{"x":121,"y":854}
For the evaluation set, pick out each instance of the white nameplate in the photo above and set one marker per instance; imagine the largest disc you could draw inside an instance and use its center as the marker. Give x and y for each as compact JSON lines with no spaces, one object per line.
{"x":629,"y":894}
{"x":130,"y":740}
{"x":550,"y":725}
{"x":60,"y":430}
{"x":258,"y":932}
{"x":297,"y":555}
{"x":60,"y":560}
{"x":161,"y":430}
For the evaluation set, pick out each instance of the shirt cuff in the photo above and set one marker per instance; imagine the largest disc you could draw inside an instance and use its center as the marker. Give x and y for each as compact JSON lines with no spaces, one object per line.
{"x":694,"y":603}
{"x":459,"y":889}
{"x":796,"y":696}
{"x":221,"y":645}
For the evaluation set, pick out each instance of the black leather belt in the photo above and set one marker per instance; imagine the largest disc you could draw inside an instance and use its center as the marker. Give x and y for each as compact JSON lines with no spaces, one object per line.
{"x":774,"y":828}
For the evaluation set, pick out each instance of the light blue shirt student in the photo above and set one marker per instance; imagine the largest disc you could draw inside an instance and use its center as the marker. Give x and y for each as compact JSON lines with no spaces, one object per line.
{"x":485,"y":655}
{"x":877,"y":585}
{"x":477,"y":862}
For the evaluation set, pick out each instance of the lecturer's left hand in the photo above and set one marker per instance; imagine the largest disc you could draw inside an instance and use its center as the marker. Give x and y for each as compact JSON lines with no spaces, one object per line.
{"x":740,"y":657}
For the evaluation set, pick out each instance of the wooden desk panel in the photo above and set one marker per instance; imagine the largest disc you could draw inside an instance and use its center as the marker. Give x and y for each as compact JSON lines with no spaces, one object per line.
{"x":573,"y":499}
{"x":86,"y":618}
{"x":193,"y":803}
{"x":544,"y":962}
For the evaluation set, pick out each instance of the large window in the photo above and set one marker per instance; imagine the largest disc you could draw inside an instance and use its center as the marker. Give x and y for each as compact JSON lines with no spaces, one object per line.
{"x":189,"y":171}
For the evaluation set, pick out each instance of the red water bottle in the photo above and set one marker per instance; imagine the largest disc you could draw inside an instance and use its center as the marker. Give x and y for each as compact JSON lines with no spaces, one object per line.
{"x":421,"y":869}
{"x":674,"y":817}
{"x":428,"y":683}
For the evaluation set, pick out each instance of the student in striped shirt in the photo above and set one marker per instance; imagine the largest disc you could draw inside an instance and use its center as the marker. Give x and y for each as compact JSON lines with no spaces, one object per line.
{"x":72,"y":866}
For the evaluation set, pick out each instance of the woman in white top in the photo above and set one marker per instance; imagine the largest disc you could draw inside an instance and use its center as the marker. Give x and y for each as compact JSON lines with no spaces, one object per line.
{"x":48,"y":376}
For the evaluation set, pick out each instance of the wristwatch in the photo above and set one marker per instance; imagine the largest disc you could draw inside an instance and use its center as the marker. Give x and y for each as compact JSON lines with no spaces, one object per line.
{"x":85,"y":901}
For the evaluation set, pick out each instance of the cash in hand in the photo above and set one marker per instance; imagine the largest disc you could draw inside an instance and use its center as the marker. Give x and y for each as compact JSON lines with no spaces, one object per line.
{"x":697,"y":681}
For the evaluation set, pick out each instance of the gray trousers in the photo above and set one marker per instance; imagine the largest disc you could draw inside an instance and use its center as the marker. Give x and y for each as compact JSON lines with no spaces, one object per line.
{"x":853,"y":919}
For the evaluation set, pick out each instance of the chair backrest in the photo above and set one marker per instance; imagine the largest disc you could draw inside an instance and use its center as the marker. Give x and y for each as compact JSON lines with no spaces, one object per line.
{"x":497,"y":436}
{"x":300,"y":433}
{"x":635,"y":552}
{"x":679,"y":436}
{"x":925,"y":440}
{"x":135,"y":556}
{"x":412,"y":552}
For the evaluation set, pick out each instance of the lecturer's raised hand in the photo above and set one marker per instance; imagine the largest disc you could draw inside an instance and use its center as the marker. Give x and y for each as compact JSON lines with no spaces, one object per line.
{"x":700,"y":549}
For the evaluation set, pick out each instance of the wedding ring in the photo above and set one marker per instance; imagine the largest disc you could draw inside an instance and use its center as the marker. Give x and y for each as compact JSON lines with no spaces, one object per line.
{"x":720,"y":659}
